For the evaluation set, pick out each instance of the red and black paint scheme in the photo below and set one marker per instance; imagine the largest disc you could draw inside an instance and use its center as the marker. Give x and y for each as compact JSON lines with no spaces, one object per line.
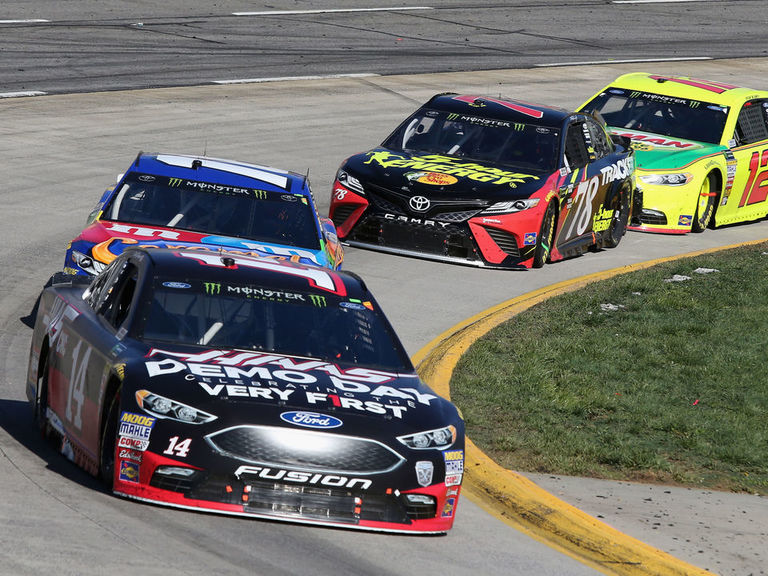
{"x":488,"y":182}
{"x":244,"y":386}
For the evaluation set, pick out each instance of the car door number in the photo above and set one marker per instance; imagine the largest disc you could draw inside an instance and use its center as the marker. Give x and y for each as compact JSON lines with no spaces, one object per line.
{"x":756,"y":189}
{"x":582,"y":200}
{"x":77,"y":378}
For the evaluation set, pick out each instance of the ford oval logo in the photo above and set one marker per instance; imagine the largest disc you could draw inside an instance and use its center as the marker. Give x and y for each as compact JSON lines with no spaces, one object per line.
{"x":310,"y":419}
{"x":419,"y":204}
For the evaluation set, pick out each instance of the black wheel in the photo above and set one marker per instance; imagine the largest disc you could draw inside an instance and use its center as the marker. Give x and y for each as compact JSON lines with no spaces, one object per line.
{"x":545,"y":238}
{"x":41,"y":406}
{"x":108,"y":441}
{"x":705,"y":205}
{"x":618,"y":226}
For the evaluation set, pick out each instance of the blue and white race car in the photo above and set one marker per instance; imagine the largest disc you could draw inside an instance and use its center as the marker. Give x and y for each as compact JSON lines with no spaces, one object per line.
{"x":209,"y":204}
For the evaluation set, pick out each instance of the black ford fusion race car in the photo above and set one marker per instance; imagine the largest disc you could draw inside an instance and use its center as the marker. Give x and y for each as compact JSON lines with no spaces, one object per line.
{"x":488,"y":182}
{"x":244,"y":386}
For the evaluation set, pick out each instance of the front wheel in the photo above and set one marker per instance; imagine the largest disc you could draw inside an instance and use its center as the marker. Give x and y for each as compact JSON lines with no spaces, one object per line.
{"x":705,"y":205}
{"x":109,"y":440}
{"x":618,"y":226}
{"x":545,"y":238}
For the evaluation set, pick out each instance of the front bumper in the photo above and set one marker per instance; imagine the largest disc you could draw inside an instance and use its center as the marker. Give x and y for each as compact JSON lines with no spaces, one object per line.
{"x":462,"y":235}
{"x":667,"y":209}
{"x":332,"y":500}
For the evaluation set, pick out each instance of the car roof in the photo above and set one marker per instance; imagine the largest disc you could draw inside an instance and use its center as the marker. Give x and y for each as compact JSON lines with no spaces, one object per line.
{"x":499,"y":108}
{"x":218,"y":170}
{"x":687,"y":87}
{"x":210,"y":266}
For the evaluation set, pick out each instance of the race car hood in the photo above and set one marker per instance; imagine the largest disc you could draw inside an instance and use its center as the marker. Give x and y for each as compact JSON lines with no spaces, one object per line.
{"x":658,"y":152}
{"x":438,"y":176}
{"x":108,"y":239}
{"x":257,"y":387}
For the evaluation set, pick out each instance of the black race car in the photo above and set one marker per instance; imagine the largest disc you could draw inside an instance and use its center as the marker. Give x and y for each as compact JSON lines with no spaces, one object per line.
{"x":244,"y":386}
{"x":488,"y":182}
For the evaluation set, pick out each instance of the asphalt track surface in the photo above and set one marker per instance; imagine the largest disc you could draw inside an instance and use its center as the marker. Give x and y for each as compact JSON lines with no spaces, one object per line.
{"x":57,"y":153}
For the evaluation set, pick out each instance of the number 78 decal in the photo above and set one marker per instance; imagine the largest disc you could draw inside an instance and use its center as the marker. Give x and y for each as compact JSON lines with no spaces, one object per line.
{"x":582,"y":206}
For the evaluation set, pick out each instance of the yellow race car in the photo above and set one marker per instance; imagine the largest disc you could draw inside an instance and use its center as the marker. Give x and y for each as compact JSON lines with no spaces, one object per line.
{"x":701,"y":148}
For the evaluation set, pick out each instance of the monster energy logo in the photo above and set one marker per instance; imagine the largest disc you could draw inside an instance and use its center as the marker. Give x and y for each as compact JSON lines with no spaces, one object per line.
{"x":693,"y":104}
{"x":634,"y":94}
{"x":518,"y":126}
{"x":453,"y":116}
{"x":318,"y":301}
{"x":260,"y":194}
{"x":174,"y":182}
{"x":212,"y":288}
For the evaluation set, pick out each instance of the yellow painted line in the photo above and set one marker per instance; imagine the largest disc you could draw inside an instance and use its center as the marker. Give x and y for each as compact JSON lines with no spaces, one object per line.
{"x":513,"y":498}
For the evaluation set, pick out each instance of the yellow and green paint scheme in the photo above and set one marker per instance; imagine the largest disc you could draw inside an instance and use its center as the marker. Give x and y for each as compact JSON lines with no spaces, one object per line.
{"x":701,"y":157}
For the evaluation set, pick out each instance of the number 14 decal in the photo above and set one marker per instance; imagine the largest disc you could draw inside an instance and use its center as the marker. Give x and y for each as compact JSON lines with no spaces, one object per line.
{"x":176,"y":448}
{"x":756,"y":189}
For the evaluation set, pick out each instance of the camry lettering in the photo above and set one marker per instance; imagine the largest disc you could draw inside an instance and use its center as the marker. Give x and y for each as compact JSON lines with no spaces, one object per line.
{"x":304,"y":477}
{"x":389,"y":216}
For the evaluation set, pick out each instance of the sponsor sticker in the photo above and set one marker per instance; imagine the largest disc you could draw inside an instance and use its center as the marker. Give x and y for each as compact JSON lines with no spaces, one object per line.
{"x":140,"y":445}
{"x":176,"y":285}
{"x":453,"y":479}
{"x":449,"y":508}
{"x":529,"y":239}
{"x":129,"y":471}
{"x":310,"y":419}
{"x":685,"y":220}
{"x":136,"y":426}
{"x":424,"y":472}
{"x":437,"y":179}
{"x":454,"y":462}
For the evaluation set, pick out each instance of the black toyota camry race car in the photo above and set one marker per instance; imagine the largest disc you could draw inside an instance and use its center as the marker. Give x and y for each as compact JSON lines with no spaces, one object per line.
{"x":245,"y":386}
{"x":488,"y":182}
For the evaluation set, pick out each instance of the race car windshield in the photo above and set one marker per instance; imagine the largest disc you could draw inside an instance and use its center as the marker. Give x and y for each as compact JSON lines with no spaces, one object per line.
{"x":216,"y":209}
{"x":665,"y":115}
{"x":527,"y":146}
{"x":323,"y":326}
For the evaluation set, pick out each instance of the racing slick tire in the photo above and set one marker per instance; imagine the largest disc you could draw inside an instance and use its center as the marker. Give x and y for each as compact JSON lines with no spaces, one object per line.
{"x":618,"y":226}
{"x":545,"y":238}
{"x":705,"y":205}
{"x":109,"y":440}
{"x":41,"y":406}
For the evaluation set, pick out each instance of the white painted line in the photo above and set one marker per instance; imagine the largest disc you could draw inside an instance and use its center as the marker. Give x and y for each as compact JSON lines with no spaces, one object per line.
{"x":22,"y":94}
{"x":26,"y":21}
{"x":638,"y":60}
{"x":288,"y":78}
{"x":329,"y":10}
{"x":654,"y":1}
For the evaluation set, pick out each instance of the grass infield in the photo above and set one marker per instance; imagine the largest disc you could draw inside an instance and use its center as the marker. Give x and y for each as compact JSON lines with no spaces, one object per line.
{"x":646,"y":376}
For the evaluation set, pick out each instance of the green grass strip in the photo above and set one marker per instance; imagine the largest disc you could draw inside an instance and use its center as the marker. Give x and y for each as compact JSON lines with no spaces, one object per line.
{"x":633,"y":378}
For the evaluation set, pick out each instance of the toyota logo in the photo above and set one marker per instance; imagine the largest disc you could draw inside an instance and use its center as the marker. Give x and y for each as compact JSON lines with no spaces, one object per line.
{"x":419,"y":204}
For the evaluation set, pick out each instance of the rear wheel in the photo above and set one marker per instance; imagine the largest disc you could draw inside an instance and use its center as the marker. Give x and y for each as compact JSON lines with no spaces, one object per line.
{"x":545,"y":238}
{"x":705,"y":205}
{"x":108,"y":441}
{"x":618,"y":226}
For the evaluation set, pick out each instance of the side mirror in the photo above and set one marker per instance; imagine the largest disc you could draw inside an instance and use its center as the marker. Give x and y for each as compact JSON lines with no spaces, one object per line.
{"x":623,"y":141}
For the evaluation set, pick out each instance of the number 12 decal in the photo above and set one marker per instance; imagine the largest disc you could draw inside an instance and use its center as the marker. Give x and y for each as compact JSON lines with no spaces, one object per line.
{"x":756,"y":189}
